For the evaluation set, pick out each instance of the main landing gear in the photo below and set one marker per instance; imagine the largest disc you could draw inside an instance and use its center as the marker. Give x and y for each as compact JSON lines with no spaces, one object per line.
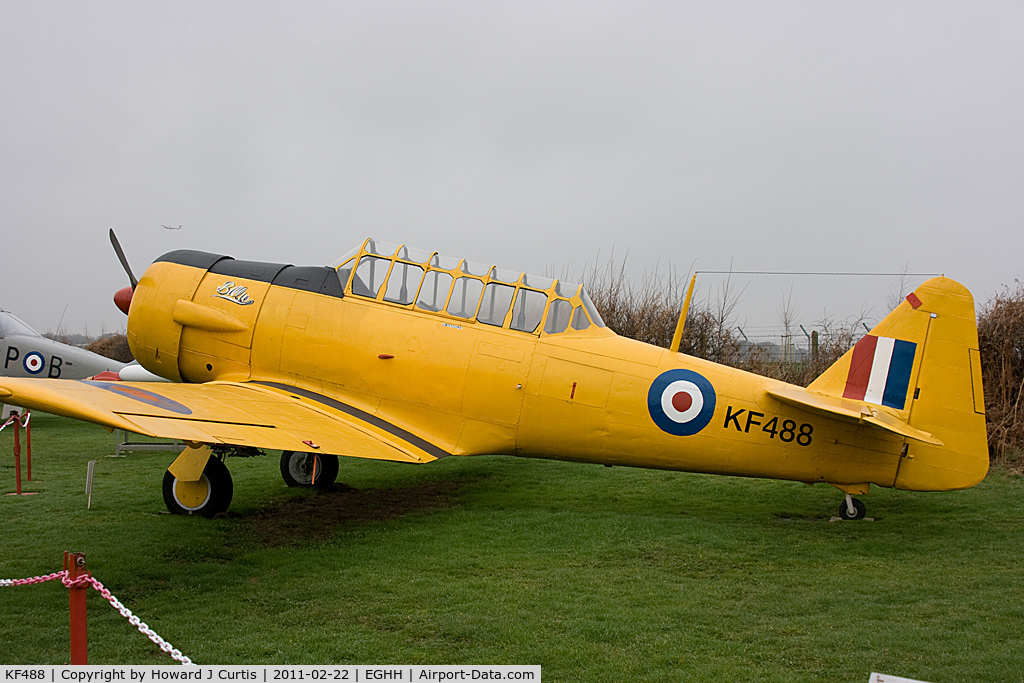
{"x":198,"y":482}
{"x":852,"y":508}
{"x":206,"y":496}
{"x":309,"y":469}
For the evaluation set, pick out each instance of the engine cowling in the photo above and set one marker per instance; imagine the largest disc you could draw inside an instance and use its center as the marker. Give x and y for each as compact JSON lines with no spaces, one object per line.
{"x":154,"y":336}
{"x":194,"y":314}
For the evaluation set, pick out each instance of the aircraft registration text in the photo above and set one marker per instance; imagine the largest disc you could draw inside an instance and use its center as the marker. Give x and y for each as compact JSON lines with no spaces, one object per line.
{"x":785,"y":430}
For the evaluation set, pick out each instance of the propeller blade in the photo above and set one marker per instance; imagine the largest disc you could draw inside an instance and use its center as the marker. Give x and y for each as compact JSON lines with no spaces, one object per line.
{"x":122,"y":259}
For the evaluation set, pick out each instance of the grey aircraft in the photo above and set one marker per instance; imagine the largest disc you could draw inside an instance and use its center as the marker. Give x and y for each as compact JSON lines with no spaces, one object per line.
{"x":27,"y":353}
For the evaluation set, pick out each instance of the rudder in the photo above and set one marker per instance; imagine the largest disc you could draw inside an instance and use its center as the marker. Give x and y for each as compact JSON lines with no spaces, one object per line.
{"x":921,"y":364}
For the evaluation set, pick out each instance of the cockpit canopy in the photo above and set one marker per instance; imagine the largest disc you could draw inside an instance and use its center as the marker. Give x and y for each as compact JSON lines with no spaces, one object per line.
{"x":10,"y":324}
{"x":428,"y":281}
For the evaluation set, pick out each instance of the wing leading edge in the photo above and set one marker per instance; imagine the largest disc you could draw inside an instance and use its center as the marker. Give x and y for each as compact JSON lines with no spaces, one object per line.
{"x":262,"y":415}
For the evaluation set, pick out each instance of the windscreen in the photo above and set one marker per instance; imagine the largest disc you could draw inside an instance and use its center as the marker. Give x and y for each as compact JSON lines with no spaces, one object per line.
{"x":9,"y":325}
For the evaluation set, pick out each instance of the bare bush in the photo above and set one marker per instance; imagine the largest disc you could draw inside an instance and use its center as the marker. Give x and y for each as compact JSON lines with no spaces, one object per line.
{"x":1001,"y":340}
{"x":649,"y":312}
{"x":114,"y":346}
{"x":708,"y":331}
{"x":829,"y":342}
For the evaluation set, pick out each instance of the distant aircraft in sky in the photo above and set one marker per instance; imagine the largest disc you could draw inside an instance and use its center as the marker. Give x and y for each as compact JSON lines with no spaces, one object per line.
{"x":172,"y":227}
{"x":408,"y":355}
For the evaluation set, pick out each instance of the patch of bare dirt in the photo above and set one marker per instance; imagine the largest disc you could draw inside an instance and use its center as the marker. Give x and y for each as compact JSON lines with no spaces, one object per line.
{"x":299,"y":522}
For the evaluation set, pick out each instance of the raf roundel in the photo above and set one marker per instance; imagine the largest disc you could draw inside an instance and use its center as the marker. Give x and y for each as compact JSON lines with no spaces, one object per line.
{"x":34,"y":362}
{"x":681,"y":402}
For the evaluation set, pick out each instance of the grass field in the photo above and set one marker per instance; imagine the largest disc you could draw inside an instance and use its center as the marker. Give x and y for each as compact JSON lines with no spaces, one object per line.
{"x":596,"y":574}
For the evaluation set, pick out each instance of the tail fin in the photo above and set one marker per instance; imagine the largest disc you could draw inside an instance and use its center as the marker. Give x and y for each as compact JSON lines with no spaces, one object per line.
{"x":920,"y":367}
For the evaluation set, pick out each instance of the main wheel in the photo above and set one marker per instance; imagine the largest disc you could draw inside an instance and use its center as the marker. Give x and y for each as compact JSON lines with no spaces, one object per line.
{"x":859,"y":510}
{"x":207,"y":497}
{"x":299,"y":469}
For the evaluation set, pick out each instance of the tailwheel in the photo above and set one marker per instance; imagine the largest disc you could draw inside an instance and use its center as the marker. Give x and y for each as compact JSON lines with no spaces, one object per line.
{"x":309,"y":469}
{"x":207,"y":497}
{"x":852,"y":508}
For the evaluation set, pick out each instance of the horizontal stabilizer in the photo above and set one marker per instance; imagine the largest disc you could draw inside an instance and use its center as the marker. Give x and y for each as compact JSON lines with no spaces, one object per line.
{"x":851,"y":410}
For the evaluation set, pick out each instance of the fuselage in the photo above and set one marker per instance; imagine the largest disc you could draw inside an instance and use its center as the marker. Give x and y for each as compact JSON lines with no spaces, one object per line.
{"x":473,"y":388}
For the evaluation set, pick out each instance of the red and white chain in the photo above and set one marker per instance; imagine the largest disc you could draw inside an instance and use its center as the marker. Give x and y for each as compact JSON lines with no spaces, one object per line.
{"x":34,"y":579}
{"x":10,"y":420}
{"x":13,"y":417}
{"x":174,"y":652}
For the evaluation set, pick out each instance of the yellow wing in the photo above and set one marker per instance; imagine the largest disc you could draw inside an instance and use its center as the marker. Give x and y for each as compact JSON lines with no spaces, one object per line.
{"x":263,"y":415}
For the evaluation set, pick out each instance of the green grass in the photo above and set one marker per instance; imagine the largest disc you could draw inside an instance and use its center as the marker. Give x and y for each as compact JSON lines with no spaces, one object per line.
{"x":596,"y":574}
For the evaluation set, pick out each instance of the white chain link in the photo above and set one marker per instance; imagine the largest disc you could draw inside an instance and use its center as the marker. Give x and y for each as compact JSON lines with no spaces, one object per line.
{"x":174,"y":652}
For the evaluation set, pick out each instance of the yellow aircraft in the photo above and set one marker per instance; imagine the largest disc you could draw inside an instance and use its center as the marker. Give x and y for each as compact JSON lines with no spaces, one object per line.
{"x":410,"y":356}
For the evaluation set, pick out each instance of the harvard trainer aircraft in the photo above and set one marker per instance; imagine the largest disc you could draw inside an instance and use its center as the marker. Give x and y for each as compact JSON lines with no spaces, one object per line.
{"x":411,"y":356}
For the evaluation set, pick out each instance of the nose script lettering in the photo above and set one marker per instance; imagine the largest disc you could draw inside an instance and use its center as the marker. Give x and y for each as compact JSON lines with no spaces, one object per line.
{"x":234,"y":293}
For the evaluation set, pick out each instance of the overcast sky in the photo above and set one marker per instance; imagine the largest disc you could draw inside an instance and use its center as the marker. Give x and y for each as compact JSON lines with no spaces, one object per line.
{"x":540,"y":136}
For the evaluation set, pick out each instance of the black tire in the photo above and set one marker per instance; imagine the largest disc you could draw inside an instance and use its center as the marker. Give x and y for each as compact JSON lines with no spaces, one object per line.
{"x":859,"y":510}
{"x":297,"y":468}
{"x":210,"y":496}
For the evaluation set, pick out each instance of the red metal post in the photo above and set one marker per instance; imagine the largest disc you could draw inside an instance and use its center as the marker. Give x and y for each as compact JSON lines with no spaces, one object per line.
{"x":28,"y":443}
{"x":75,"y":564}
{"x":17,"y":452}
